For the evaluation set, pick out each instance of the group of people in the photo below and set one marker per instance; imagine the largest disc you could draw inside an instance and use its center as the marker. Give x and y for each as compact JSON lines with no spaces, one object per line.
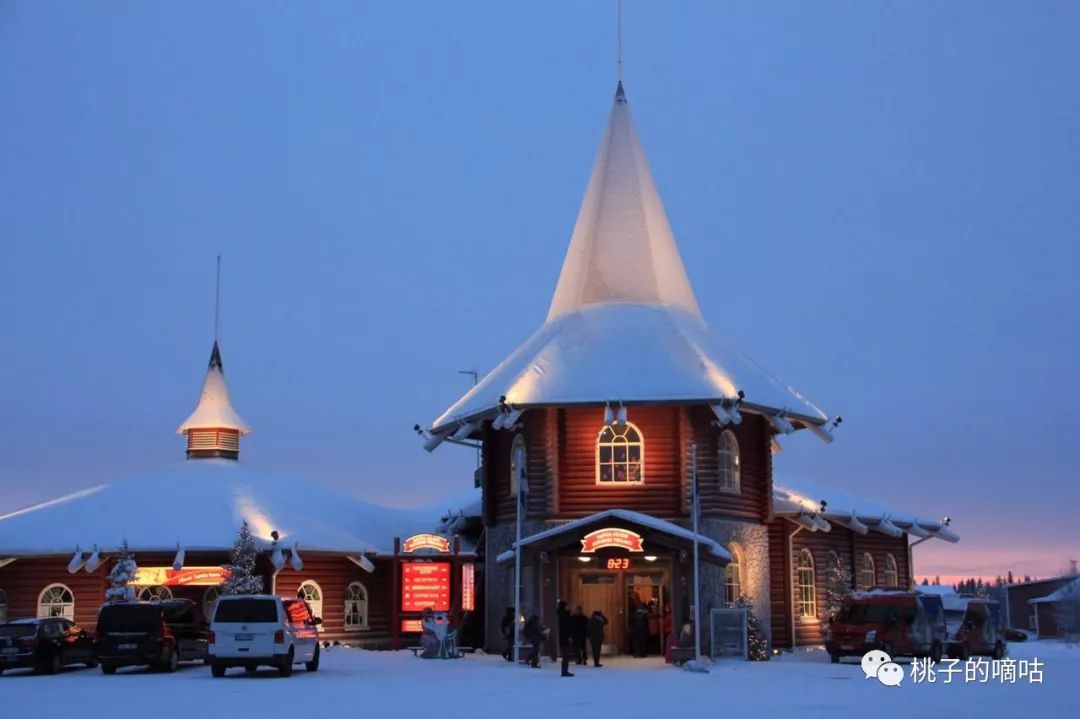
{"x":576,"y":631}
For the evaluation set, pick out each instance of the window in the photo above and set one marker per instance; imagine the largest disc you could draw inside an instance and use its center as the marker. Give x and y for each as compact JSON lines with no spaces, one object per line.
{"x":892,"y":575}
{"x":867,"y":572}
{"x":728,"y":462}
{"x":209,"y":602}
{"x":733,"y":575}
{"x":246,"y":611}
{"x":311,"y":593}
{"x":620,"y":455}
{"x":56,"y":601}
{"x":356,"y":610}
{"x":517,"y":462}
{"x":3,"y":607}
{"x":154,"y":594}
{"x":806,"y":591}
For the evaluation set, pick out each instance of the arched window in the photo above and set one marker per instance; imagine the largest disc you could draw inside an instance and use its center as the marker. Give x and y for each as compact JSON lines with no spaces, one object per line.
{"x":867,"y":572}
{"x":620,"y":453}
{"x":56,"y":600}
{"x":3,"y":607}
{"x":892,"y":575}
{"x":728,"y":462}
{"x":311,"y":593}
{"x":517,"y":462}
{"x":356,"y":607}
{"x":733,"y":574}
{"x":209,"y":602}
{"x":806,"y":591}
{"x":151,"y":594}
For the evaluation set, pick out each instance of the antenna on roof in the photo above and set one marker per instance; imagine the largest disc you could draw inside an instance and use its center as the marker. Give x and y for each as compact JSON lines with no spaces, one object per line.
{"x":618,"y":35}
{"x":217,"y":300}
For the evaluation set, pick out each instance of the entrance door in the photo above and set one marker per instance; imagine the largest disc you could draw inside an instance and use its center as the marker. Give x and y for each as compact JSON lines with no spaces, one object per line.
{"x":601,"y":591}
{"x":646,"y":604}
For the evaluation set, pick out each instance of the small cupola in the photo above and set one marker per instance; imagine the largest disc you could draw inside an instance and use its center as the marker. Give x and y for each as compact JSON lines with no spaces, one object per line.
{"x":214,"y":429}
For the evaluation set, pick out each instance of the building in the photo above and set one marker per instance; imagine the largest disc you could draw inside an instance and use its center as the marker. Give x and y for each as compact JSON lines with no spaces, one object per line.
{"x":599,"y":421}
{"x":1058,"y":613}
{"x":345,"y":556}
{"x":1030,"y":605}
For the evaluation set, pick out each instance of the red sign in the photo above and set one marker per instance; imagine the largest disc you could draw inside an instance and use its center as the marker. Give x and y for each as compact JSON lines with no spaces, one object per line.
{"x":425,"y":585}
{"x":426,"y":541}
{"x":411,"y":626}
{"x":186,"y":577}
{"x":611,"y":537}
{"x":468,"y":587}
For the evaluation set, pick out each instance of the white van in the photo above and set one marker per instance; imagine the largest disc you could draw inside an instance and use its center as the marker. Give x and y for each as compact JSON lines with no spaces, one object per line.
{"x":262,"y":630}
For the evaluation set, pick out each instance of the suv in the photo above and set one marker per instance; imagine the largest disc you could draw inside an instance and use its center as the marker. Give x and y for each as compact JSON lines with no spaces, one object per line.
{"x":897,"y":623}
{"x":47,"y":644}
{"x":160,"y":634}
{"x":263,"y":630}
{"x":980,"y":631}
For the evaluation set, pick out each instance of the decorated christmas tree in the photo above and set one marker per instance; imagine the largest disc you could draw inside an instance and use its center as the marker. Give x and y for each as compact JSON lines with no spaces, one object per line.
{"x":837,"y":585}
{"x":757,"y":641}
{"x":121,"y":576}
{"x":242,"y":576}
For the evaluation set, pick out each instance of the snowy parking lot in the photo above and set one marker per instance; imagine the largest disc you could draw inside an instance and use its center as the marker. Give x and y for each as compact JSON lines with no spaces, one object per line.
{"x":397,"y":684}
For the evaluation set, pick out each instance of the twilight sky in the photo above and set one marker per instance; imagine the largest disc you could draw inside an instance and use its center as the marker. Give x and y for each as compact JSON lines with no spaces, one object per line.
{"x":878,"y":203}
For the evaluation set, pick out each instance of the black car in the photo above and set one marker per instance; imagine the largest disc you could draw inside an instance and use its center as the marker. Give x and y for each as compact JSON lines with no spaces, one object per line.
{"x":46,"y":645}
{"x":160,"y":634}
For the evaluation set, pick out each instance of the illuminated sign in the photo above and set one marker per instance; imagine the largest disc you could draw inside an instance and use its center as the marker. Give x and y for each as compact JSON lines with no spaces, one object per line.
{"x":185,"y":577}
{"x":468,"y":587}
{"x":425,"y":585}
{"x":426,"y":541}
{"x":611,"y":537}
{"x":618,"y":563}
{"x":411,"y":626}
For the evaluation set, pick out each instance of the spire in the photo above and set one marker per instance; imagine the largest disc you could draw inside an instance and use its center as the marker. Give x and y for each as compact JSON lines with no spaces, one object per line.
{"x":214,"y":428}
{"x":622,"y":248}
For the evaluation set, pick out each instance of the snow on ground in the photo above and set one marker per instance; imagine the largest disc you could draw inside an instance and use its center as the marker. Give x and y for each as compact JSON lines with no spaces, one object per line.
{"x":395,"y":684}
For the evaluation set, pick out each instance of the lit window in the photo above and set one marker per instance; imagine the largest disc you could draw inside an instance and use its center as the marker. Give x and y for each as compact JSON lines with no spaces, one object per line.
{"x":867,"y":572}
{"x":154,"y":594}
{"x":311,"y":593}
{"x":57,"y":601}
{"x":3,"y":607}
{"x":619,"y":455}
{"x":733,"y":575}
{"x":806,"y":591}
{"x":892,"y":575}
{"x":356,"y":607}
{"x":728,"y":462}
{"x":209,"y":602}
{"x":517,"y":462}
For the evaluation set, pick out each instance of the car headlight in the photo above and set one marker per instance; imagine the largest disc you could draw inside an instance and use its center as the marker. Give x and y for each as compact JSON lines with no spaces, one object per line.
{"x":871,"y":635}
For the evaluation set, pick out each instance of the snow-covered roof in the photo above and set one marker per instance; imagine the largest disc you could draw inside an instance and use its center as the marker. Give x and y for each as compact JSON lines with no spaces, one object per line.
{"x":950,"y":600}
{"x":800,"y":500}
{"x":624,"y":324}
{"x":642,"y":520}
{"x":215,"y":410}
{"x":200,"y":504}
{"x":1070,"y":592}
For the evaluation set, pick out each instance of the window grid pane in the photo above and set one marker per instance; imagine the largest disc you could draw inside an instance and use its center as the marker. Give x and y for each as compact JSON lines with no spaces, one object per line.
{"x":619,"y":456}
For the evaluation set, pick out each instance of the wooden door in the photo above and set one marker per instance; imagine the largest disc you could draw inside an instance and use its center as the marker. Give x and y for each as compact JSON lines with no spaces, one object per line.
{"x":601,"y":591}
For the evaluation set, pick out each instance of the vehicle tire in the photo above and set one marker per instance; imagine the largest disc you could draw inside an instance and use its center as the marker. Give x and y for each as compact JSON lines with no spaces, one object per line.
{"x":962,"y":653}
{"x":999,"y":652}
{"x":313,"y":665}
{"x":91,"y":663}
{"x":53,"y":665}
{"x":172,"y":663}
{"x":888,"y":649}
{"x":251,"y":668}
{"x":285,"y":670}
{"x":108,"y":669}
{"x":834,"y":658}
{"x":217,"y":670}
{"x":935,"y":653}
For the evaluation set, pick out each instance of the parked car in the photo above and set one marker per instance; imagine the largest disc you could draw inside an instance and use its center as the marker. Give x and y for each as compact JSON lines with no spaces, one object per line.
{"x":263,"y":630}
{"x":46,"y":644}
{"x":980,"y":633}
{"x":160,"y":634}
{"x":898,"y":623}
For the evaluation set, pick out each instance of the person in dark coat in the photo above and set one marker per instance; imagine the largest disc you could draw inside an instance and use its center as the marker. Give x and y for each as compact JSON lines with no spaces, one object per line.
{"x":639,"y":629}
{"x":534,"y":637}
{"x":595,"y":630}
{"x":581,"y":630}
{"x":566,"y":636}
{"x":506,"y":626}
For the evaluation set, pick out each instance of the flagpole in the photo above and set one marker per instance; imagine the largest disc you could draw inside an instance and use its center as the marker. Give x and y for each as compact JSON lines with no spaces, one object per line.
{"x":697,"y":585}
{"x":517,"y":555}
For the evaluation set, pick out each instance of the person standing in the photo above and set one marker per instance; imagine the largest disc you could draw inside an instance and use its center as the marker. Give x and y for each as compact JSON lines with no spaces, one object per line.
{"x":597,"y":622}
{"x":639,"y":629}
{"x":506,"y":626}
{"x":566,"y":636}
{"x":534,"y":637}
{"x":581,"y":630}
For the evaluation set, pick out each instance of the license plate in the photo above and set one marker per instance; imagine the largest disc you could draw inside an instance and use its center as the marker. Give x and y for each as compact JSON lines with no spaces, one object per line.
{"x":126,"y":647}
{"x":847,"y":647}
{"x":244,"y":637}
{"x":9,"y":650}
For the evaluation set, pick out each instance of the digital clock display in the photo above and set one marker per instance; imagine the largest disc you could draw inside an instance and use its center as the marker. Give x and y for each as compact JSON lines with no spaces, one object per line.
{"x":618,"y":563}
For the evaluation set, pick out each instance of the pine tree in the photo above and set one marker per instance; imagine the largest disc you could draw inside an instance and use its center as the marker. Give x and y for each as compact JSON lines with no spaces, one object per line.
{"x":121,"y":576}
{"x":757,"y":649}
{"x":1009,"y":579}
{"x":837,"y":585}
{"x":242,"y":577}
{"x":937,"y":580}
{"x":926,"y":581}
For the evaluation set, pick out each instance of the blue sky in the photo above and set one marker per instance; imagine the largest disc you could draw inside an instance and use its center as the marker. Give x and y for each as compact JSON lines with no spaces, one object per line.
{"x":878,"y":202}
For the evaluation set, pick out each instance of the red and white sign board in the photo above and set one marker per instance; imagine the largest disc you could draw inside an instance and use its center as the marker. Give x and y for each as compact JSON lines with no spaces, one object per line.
{"x":468,"y":587}
{"x":432,"y":542}
{"x":411,"y":626}
{"x":424,"y":585}
{"x":186,"y":577}
{"x":612,"y":538}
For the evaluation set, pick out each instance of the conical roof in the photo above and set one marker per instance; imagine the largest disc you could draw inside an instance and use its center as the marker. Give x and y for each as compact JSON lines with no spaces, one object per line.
{"x":624,"y":324}
{"x":215,"y":410}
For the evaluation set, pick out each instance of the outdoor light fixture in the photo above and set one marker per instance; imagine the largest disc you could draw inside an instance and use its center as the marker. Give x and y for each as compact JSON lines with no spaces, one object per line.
{"x":946,"y":521}
{"x":649,"y":557}
{"x":584,"y":559}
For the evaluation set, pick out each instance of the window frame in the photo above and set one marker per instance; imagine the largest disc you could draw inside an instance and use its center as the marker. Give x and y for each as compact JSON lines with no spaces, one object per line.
{"x":518,"y":441}
{"x":157,"y":592}
{"x":864,"y":568}
{"x":891,"y":567}
{"x":728,"y":480}
{"x":316,"y":605}
{"x":805,"y":599}
{"x":736,"y":565}
{"x":63,"y":614}
{"x":364,"y":610}
{"x":639,"y":442}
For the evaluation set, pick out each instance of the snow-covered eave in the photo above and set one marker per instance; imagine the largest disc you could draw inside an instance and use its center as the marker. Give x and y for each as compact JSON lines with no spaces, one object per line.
{"x":263,"y":545}
{"x":808,"y":514}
